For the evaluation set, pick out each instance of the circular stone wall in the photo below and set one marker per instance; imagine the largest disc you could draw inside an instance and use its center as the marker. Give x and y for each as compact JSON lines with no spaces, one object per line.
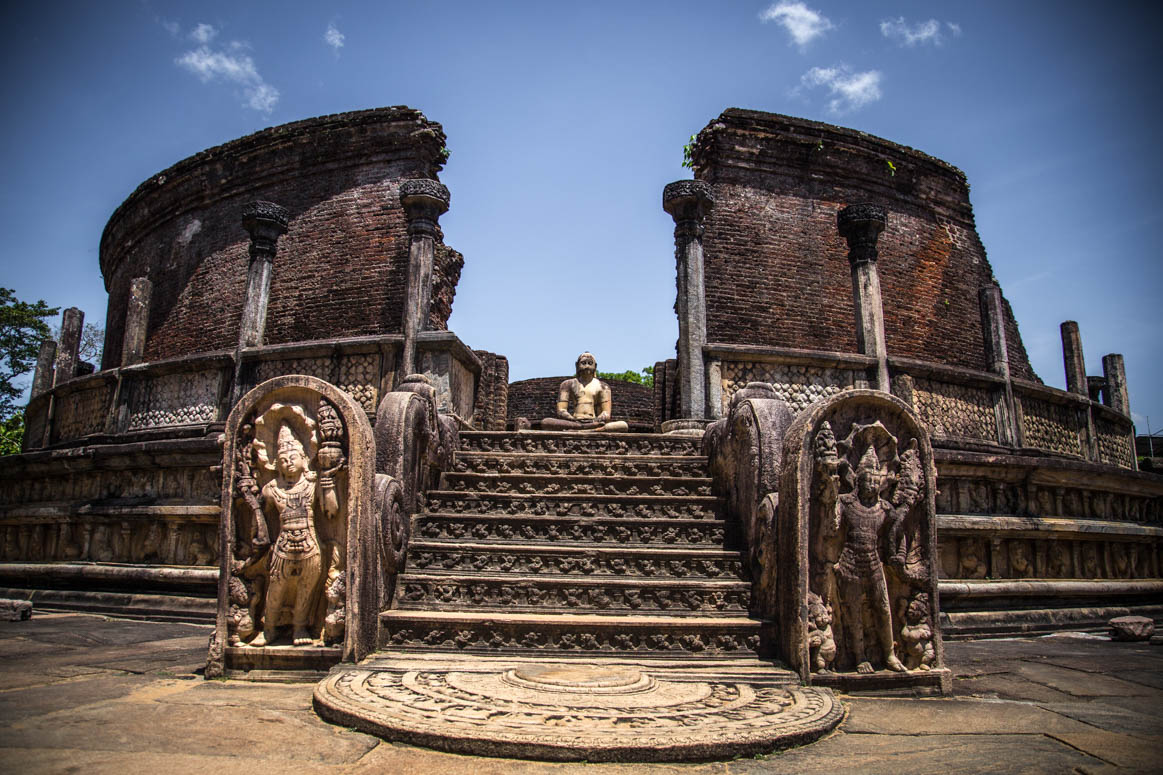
{"x":341,"y":267}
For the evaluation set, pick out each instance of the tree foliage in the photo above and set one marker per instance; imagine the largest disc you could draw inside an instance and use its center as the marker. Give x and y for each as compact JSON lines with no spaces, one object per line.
{"x":22,"y":329}
{"x":92,"y":342}
{"x":645,"y":377}
{"x":11,"y":434}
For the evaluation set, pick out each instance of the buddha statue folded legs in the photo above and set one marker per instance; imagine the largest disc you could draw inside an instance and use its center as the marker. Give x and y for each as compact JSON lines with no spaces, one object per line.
{"x":589,"y":398}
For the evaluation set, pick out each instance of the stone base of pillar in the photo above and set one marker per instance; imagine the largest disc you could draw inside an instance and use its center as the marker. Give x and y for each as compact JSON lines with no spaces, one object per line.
{"x":687,"y":427}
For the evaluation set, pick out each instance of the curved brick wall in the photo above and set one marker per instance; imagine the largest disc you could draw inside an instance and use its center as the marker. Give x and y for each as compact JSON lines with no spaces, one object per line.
{"x":341,"y":266}
{"x":537,"y":398}
{"x":776,"y":268}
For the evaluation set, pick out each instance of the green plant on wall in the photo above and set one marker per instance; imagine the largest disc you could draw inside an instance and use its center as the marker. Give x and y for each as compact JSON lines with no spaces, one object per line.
{"x":687,"y":150}
{"x":645,"y":377}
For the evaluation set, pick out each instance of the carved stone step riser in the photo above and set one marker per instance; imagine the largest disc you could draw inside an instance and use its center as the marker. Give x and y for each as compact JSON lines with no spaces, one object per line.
{"x":487,"y":562}
{"x":577,"y":485}
{"x":634,"y":444}
{"x":535,"y":639}
{"x":427,"y":596}
{"x":544,"y":465}
{"x":608,"y":533}
{"x":578,"y":506}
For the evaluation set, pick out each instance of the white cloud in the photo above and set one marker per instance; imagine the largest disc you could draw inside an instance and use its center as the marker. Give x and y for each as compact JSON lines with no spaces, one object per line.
{"x":849,"y":90}
{"x":802,"y":23}
{"x":922,"y":33}
{"x":228,"y":64}
{"x":172,"y":28}
{"x":203,"y":33}
{"x":333,"y":37}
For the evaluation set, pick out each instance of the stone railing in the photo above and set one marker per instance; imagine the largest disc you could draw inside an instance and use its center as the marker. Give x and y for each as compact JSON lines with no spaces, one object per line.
{"x":185,"y":396}
{"x":960,"y":408}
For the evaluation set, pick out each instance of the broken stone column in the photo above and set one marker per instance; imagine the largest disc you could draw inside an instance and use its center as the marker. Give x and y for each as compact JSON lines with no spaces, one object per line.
{"x":861,"y":225}
{"x":136,"y":321}
{"x":1072,"y":359}
{"x":68,"y":351}
{"x":42,"y":378}
{"x":1114,"y":395}
{"x":688,"y":202}
{"x":424,"y":201}
{"x":265,"y":222}
{"x":997,"y":356}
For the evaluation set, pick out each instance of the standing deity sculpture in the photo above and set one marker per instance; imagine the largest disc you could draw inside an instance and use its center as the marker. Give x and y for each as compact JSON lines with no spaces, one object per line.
{"x":868,"y":554}
{"x":590,"y":399}
{"x":299,"y":506}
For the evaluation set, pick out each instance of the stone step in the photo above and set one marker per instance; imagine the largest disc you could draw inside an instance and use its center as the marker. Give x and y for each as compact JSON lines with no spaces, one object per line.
{"x":627,"y":506}
{"x":574,"y":443}
{"x":577,"y":530}
{"x":557,"y":634}
{"x":528,"y":484}
{"x":512,"y":592}
{"x":580,"y":465}
{"x":617,"y":561}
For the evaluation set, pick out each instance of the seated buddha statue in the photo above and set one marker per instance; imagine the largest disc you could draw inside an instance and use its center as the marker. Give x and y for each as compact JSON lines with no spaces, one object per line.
{"x":590,"y":399}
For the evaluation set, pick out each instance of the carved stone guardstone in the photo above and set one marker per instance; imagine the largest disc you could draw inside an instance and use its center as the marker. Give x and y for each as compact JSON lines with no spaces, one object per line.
{"x":857,"y":548}
{"x":298,"y":487}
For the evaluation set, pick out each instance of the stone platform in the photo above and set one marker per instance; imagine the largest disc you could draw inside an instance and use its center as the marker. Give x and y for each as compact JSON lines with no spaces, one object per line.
{"x":597,"y":710}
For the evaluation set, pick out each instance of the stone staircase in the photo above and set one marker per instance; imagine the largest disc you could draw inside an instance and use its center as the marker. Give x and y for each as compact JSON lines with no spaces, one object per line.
{"x":560,"y":544}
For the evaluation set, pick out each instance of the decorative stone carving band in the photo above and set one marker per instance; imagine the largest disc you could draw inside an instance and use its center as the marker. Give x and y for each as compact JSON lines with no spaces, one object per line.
{"x":861,"y":225}
{"x":424,"y":201}
{"x":688,"y":202}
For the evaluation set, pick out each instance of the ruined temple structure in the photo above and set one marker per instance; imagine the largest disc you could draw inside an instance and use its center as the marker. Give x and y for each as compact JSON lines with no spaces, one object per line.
{"x":848,"y":460}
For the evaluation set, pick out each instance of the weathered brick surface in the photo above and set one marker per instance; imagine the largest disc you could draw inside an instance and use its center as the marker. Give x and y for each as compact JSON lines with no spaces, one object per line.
{"x":776,"y":268}
{"x":341,"y":266}
{"x":537,"y":398}
{"x":492,"y":398}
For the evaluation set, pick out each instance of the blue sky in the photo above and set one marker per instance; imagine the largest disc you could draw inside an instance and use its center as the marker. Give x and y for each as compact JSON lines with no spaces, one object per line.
{"x":565,"y":120}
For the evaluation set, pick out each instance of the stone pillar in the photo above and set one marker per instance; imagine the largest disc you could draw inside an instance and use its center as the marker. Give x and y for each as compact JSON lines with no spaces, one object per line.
{"x":424,"y":201}
{"x":861,"y":225}
{"x":688,"y":202}
{"x":265,"y":222}
{"x":136,"y":321}
{"x":1115,"y":395}
{"x":42,"y":378}
{"x":68,"y":352}
{"x":993,"y":323}
{"x":1072,"y":359}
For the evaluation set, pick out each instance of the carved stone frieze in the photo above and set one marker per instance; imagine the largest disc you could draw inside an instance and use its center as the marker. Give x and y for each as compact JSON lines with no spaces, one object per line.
{"x":577,"y":485}
{"x":955,"y":411}
{"x":613,"y":531}
{"x":589,"y":564}
{"x":1052,"y":427}
{"x":128,"y":539}
{"x":536,"y":637}
{"x":567,"y":444}
{"x":1115,"y":443}
{"x":175,"y":399}
{"x":643,"y":507}
{"x":798,"y":385}
{"x":81,"y":412}
{"x":997,"y":556}
{"x":459,"y":594}
{"x":478,"y":463}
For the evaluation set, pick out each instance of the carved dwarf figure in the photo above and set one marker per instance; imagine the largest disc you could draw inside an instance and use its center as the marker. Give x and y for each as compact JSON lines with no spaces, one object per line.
{"x":821,"y":643}
{"x":1021,"y":566}
{"x":860,"y":518}
{"x":590,"y":398}
{"x":294,"y":501}
{"x":917,"y":634}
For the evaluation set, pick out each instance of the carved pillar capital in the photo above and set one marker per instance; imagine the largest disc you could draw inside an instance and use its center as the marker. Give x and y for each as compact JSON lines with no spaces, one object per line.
{"x":861,"y":225}
{"x":265,"y":222}
{"x":688,"y":202}
{"x":424,"y":201}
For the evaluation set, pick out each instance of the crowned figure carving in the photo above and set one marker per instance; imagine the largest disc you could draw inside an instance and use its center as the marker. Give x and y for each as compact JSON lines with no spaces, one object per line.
{"x":869,"y":564}
{"x":290,"y":526}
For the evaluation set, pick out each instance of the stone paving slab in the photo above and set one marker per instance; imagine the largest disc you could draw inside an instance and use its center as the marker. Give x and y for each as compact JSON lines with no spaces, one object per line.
{"x":60,"y":713}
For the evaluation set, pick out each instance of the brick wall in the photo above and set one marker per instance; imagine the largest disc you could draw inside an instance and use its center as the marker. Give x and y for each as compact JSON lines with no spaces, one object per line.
{"x":537,"y":398}
{"x":341,"y":266}
{"x":777,"y":272}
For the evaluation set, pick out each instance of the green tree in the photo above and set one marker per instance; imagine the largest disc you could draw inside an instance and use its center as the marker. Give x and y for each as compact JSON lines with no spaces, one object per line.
{"x":645,"y":377}
{"x":22,"y":329}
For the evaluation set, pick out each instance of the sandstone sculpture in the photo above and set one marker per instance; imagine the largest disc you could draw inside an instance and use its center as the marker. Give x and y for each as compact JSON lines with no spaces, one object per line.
{"x":590,"y":399}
